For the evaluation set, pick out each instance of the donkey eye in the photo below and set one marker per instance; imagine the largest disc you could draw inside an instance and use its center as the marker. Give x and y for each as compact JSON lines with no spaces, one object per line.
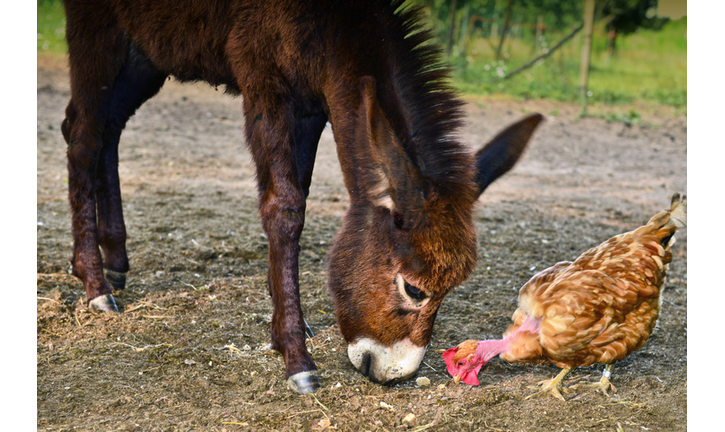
{"x":413,"y":297}
{"x":413,"y":292}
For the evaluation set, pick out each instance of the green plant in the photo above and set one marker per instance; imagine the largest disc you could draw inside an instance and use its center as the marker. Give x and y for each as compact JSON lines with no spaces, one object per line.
{"x":51,"y":27}
{"x":630,"y":117}
{"x":647,"y":65}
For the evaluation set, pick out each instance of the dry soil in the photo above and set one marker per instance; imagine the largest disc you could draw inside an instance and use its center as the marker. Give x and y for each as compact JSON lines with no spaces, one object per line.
{"x":190,"y":351}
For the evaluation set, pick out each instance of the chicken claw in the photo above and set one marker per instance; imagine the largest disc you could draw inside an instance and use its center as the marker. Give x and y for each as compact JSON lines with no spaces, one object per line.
{"x":552,"y":386}
{"x":604,"y":384}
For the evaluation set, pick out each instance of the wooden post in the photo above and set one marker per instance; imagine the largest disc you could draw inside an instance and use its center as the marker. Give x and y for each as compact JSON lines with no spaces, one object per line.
{"x":586,"y":52}
{"x":538,"y":33}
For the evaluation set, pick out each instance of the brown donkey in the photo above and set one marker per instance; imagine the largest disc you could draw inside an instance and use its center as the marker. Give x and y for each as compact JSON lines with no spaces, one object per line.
{"x":369,"y":69}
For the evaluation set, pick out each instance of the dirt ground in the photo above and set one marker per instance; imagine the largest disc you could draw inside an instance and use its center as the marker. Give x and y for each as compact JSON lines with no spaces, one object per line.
{"x":190,"y":351}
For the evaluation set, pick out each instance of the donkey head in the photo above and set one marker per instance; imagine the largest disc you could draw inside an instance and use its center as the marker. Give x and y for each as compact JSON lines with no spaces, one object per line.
{"x":407,"y":242}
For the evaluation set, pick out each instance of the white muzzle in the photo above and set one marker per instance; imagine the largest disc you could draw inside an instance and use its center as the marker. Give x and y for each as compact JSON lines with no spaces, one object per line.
{"x":383,"y":364}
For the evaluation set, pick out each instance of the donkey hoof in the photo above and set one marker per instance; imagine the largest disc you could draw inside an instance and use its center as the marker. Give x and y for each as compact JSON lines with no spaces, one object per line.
{"x":104,"y":303}
{"x":304,"y":382}
{"x":116,"y":279}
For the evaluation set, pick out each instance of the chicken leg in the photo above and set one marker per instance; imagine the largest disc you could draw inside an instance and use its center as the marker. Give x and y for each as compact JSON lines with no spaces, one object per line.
{"x":552,"y":386}
{"x":604,"y":384}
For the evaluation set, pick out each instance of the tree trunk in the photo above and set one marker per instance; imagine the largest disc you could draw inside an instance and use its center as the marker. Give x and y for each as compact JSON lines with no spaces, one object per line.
{"x":464,"y":28}
{"x":506,"y":21}
{"x":452,"y":26}
{"x":586,"y":52}
{"x":494,"y":24}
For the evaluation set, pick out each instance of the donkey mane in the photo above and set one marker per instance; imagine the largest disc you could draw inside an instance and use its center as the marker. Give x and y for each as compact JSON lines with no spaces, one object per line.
{"x":433,"y":111}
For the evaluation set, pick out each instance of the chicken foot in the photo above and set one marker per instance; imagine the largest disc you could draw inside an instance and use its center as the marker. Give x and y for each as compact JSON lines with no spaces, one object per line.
{"x":604,"y":384}
{"x":552,"y":386}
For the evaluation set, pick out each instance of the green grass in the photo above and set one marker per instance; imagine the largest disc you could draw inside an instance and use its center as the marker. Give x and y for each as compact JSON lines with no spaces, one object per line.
{"x":647,"y":65}
{"x":629,"y":118}
{"x":51,"y":27}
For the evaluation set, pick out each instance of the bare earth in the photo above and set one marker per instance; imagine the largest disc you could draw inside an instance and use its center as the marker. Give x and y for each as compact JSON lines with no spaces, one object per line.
{"x":191,"y":349}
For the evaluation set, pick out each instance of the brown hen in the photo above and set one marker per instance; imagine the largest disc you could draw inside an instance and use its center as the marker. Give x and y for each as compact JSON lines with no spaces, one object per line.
{"x":597,"y":309}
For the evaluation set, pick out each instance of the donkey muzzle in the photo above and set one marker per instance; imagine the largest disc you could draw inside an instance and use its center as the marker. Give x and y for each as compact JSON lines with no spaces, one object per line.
{"x":386,"y":365}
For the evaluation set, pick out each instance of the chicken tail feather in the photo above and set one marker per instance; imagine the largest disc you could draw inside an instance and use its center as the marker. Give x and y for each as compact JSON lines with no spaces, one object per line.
{"x":678,"y":210}
{"x":667,"y":222}
{"x":675,"y":217}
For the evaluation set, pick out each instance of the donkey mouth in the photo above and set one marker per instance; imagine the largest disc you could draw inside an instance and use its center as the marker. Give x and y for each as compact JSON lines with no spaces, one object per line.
{"x":383,"y":364}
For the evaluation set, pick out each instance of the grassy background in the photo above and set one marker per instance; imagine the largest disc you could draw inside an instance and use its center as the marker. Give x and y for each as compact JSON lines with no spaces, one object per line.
{"x":51,"y":28}
{"x":647,"y":66}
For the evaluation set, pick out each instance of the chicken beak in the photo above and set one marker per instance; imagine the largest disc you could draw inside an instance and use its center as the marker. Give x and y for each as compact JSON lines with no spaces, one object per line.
{"x":456,"y":379}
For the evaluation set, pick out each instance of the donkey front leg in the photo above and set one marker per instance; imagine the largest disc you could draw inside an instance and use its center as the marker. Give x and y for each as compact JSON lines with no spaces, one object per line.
{"x":83,"y":152}
{"x":282,"y":210}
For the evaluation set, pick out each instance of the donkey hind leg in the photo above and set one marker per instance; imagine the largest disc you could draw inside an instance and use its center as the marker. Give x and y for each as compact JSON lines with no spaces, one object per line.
{"x":137,"y":82}
{"x":308,"y":130}
{"x":307,"y":135}
{"x":284,"y":168}
{"x":92,"y":164}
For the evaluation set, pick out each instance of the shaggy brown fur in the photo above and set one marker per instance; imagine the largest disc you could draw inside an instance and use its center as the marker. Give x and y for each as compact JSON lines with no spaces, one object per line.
{"x":364,"y":66}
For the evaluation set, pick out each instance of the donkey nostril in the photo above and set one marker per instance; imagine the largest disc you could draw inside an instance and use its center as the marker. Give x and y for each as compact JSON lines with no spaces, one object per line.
{"x":367,"y":360}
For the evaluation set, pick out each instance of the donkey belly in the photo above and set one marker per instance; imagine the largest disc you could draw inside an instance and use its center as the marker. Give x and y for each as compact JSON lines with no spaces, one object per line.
{"x":188,"y":42}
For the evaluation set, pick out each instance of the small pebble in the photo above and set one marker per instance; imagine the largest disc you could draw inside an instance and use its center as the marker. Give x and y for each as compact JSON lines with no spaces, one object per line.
{"x":388,"y":406}
{"x":422,"y":381}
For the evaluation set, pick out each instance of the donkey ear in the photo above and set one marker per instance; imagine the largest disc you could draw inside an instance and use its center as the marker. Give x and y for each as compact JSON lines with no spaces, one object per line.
{"x":501,"y":154}
{"x":394,"y":180}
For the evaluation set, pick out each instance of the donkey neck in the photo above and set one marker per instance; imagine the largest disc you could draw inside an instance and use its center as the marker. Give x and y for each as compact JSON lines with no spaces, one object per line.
{"x":413,"y":95}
